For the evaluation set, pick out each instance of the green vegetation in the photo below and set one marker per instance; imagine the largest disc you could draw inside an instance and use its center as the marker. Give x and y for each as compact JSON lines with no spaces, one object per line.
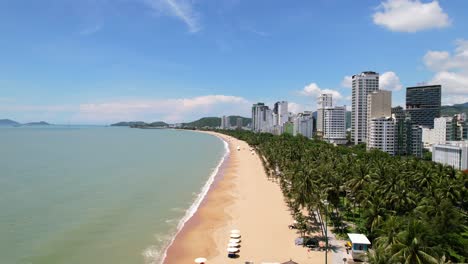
{"x":450,"y":110}
{"x":131,"y":123}
{"x":413,"y":211}
{"x":216,"y":122}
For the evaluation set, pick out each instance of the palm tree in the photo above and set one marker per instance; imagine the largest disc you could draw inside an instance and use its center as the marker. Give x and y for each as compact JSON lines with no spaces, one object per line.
{"x":411,"y":247}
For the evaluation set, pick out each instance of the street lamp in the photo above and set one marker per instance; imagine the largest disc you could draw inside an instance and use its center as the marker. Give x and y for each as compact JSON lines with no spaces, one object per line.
{"x":325,"y":203}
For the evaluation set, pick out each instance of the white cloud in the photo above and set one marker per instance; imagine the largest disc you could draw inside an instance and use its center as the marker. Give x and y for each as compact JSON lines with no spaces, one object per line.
{"x":181,"y":9}
{"x":313,"y":90}
{"x":389,"y":81}
{"x":443,"y":61}
{"x":91,"y":30}
{"x":296,"y":108}
{"x":170,"y":110}
{"x":347,"y":82}
{"x":410,"y":15}
{"x":451,"y":71}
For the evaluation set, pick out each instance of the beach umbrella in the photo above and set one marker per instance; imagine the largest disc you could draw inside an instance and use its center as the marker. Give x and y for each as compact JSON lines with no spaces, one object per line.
{"x":233,"y":245}
{"x":200,"y":260}
{"x":290,"y":262}
{"x":235,"y":231}
{"x":235,"y":235}
{"x":234,"y":240}
{"x":233,"y":250}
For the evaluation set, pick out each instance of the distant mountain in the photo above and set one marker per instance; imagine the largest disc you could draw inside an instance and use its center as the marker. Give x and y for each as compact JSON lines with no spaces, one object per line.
{"x":8,"y":122}
{"x":449,"y":110}
{"x":41,"y":123}
{"x":216,"y":122}
{"x":204,"y":122}
{"x":158,"y":124}
{"x":130,"y":123}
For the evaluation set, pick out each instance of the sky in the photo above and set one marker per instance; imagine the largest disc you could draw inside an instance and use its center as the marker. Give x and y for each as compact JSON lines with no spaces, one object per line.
{"x":102,"y":61}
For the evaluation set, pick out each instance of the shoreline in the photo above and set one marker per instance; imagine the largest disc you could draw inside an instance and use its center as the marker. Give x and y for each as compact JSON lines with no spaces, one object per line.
{"x":215,"y":176}
{"x":243,"y":199}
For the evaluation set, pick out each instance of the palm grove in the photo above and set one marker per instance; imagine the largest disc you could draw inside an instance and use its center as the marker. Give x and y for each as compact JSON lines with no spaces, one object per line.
{"x":413,"y":211}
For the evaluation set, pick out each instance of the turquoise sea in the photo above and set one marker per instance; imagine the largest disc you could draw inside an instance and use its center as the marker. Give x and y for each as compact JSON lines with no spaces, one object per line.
{"x":98,"y":194}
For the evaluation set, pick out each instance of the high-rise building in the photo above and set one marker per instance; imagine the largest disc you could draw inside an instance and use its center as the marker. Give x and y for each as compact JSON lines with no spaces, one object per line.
{"x":281,"y":114}
{"x":423,"y":104}
{"x":239,"y":123}
{"x":452,"y":153}
{"x":304,"y":124}
{"x":363,"y":84}
{"x":445,"y":129}
{"x":225,"y":122}
{"x":382,"y":132}
{"x":324,"y":101}
{"x":334,"y":124}
{"x":259,"y":117}
{"x":408,"y":138}
{"x":379,"y":104}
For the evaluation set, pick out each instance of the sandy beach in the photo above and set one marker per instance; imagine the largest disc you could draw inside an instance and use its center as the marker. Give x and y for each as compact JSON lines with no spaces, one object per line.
{"x":241,"y":198}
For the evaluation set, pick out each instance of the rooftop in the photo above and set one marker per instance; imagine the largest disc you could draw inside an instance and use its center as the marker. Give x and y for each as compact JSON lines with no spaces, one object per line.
{"x":358,"y":239}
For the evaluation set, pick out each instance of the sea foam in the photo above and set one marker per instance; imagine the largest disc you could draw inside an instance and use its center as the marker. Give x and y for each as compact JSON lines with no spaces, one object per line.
{"x":153,"y":254}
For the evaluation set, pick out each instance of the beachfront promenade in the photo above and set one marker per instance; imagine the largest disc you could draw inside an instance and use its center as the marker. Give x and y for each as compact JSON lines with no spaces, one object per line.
{"x":243,"y":198}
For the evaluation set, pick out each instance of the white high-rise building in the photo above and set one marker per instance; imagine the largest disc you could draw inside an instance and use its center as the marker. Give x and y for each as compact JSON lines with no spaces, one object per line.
{"x":225,"y":122}
{"x":259,"y":117}
{"x":334,"y":124}
{"x":304,"y":124}
{"x":452,"y":153}
{"x":363,"y":84}
{"x":324,"y":101}
{"x":444,"y":129}
{"x":382,"y":134}
{"x":281,"y":113}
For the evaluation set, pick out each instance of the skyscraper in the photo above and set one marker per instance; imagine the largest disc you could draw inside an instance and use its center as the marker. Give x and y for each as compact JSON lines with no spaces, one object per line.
{"x":259,"y":117}
{"x":334,"y":124}
{"x":423,"y":104}
{"x":363,"y":84}
{"x":281,"y":113}
{"x":379,"y":104}
{"x":382,"y":134}
{"x":324,"y":101}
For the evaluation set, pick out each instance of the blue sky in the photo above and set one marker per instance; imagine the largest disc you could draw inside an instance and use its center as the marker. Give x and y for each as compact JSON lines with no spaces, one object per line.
{"x":100,"y":61}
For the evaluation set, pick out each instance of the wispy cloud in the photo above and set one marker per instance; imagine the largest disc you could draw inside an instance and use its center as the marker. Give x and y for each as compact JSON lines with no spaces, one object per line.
{"x":181,"y":9}
{"x":171,"y":110}
{"x":91,"y":30}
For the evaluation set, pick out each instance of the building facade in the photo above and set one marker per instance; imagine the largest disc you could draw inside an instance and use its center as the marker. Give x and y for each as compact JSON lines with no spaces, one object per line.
{"x":280,"y":111}
{"x":379,"y":104}
{"x":363,"y":84}
{"x":334,"y":124}
{"x":324,"y":101}
{"x":453,"y":153}
{"x":259,"y":117}
{"x":423,"y":104}
{"x":382,"y":132}
{"x":304,"y":124}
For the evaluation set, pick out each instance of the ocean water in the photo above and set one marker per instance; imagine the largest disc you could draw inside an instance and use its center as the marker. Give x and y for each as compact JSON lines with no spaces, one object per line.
{"x":98,"y":194}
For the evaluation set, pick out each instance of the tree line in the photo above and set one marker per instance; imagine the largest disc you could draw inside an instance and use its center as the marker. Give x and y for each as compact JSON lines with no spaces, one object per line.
{"x":413,"y":211}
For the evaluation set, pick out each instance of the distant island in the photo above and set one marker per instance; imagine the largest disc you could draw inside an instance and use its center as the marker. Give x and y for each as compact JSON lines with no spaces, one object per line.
{"x":9,"y":122}
{"x":41,"y":123}
{"x":205,"y":122}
